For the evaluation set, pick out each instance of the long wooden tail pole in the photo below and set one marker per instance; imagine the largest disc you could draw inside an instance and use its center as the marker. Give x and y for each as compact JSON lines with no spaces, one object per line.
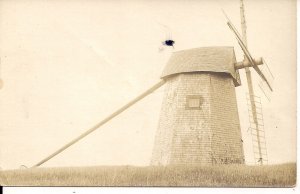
{"x":146,"y":93}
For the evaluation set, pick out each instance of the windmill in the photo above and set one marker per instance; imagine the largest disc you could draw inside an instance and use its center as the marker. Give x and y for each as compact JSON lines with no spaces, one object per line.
{"x":196,"y":122}
{"x":253,"y":101}
{"x":199,"y":122}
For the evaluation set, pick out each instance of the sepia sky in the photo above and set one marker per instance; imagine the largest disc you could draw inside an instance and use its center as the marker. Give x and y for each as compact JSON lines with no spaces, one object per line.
{"x":68,"y":64}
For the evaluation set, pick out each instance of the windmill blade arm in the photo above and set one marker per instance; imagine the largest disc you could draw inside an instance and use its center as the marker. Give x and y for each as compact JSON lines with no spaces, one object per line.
{"x":231,"y":26}
{"x":247,"y":54}
{"x":239,"y":39}
{"x":262,"y":76}
{"x":245,"y":50}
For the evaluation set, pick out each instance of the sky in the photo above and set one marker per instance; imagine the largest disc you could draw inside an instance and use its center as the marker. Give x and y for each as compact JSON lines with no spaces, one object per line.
{"x":66,"y":65}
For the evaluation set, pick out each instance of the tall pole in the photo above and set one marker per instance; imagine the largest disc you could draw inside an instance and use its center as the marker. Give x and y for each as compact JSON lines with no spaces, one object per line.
{"x":249,"y":81}
{"x":117,"y":112}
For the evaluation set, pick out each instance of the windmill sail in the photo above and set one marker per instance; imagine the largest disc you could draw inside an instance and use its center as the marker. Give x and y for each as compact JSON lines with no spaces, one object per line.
{"x":263,"y":76}
{"x":262,"y":84}
{"x":246,"y":52}
{"x":257,"y":130}
{"x":255,"y":112}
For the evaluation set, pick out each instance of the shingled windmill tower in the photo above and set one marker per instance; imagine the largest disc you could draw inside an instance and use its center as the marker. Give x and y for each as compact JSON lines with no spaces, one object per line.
{"x":199,"y":122}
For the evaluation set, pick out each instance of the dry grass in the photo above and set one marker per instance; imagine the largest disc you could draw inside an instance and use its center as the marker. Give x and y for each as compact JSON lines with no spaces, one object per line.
{"x":283,"y":175}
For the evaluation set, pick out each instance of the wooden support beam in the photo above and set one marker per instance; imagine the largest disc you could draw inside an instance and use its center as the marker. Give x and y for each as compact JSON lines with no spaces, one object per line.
{"x":117,"y":112}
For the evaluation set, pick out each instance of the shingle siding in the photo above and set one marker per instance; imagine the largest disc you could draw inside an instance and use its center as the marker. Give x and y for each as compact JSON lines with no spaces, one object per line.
{"x":204,"y":59}
{"x":202,"y":136}
{"x":226,"y":132}
{"x":210,"y":134}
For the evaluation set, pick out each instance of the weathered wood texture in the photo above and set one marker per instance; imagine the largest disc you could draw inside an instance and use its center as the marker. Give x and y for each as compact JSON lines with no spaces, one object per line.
{"x":209,"y":134}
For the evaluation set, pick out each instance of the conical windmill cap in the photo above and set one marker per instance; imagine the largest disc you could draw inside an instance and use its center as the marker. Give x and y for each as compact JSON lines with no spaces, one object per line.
{"x":203,"y":59}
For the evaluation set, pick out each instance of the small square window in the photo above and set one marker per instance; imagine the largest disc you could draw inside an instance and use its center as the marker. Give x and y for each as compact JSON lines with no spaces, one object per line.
{"x":193,"y":102}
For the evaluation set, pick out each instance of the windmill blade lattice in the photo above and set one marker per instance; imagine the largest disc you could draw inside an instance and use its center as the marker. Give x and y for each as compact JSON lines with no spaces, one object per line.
{"x":262,"y":84}
{"x":253,"y":102}
{"x":246,"y":52}
{"x":257,"y":130}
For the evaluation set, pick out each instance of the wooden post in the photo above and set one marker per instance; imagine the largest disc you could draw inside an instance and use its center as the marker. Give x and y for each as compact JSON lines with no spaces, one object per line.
{"x":249,"y":80}
{"x":117,"y":112}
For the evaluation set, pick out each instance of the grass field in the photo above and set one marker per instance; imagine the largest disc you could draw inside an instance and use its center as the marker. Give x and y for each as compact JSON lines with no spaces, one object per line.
{"x":283,"y":175}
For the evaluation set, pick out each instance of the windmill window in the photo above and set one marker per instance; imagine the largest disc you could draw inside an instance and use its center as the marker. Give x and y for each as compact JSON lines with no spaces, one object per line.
{"x":194,"y":102}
